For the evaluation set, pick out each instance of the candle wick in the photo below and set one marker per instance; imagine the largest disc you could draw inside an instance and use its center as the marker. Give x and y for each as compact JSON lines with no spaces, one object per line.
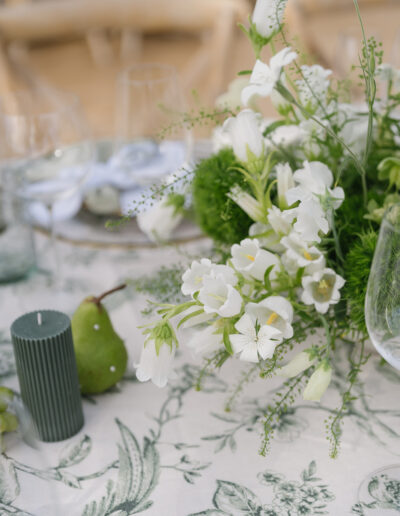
{"x":39,"y":319}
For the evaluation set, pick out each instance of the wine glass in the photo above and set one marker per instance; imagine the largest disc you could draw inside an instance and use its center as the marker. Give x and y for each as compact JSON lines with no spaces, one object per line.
{"x":45,"y":152}
{"x":382,"y":304}
{"x":382,"y":316}
{"x":151,"y":139}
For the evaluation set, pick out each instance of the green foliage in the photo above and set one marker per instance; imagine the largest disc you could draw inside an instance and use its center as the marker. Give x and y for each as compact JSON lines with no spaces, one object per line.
{"x":357,"y":267}
{"x":217,"y":215}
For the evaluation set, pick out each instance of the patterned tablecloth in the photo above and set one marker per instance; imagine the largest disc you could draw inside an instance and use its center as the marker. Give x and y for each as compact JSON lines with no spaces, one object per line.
{"x":177,"y":452}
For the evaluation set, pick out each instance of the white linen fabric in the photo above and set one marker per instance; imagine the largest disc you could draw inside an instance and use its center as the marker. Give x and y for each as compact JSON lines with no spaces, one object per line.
{"x":176,"y":451}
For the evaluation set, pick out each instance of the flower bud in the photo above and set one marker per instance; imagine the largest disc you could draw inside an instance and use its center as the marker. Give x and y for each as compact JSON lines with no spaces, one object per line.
{"x":247,"y":202}
{"x":318,"y":382}
{"x":284,"y":176}
{"x":299,"y":363}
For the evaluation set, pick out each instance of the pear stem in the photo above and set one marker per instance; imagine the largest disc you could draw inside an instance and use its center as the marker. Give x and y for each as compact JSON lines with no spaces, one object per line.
{"x":98,"y":299}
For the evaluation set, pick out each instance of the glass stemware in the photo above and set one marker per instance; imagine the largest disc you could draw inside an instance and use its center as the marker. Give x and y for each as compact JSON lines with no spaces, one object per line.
{"x":46,"y":151}
{"x":382,"y":316}
{"x":151,"y":140}
{"x":382,"y":305}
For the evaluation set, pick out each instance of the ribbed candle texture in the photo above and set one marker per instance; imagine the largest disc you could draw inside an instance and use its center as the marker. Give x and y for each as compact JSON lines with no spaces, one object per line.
{"x":47,"y":373}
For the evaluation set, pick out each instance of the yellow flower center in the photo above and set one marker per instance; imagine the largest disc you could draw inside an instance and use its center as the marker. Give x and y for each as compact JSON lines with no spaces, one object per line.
{"x":198,"y":279}
{"x":323,"y":287}
{"x":307,"y":255}
{"x":272,"y":318}
{"x":250,"y":257}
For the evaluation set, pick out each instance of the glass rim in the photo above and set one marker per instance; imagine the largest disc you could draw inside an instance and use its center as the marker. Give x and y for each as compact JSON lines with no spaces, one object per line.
{"x":124,"y":74}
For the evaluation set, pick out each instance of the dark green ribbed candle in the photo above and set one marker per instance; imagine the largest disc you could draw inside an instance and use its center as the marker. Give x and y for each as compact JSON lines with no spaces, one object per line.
{"x":47,"y":373}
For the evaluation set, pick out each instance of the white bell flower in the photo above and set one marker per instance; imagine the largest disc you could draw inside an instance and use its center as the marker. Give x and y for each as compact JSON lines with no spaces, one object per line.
{"x":246,"y":137}
{"x":321,"y":289}
{"x":159,"y":221}
{"x":247,"y":203}
{"x":231,"y":98}
{"x":250,"y":259}
{"x":219,"y":297}
{"x":154,"y":366}
{"x":314,"y":179}
{"x":266,"y":236}
{"x":310,"y":221}
{"x":285,"y":182}
{"x":192,"y":278}
{"x":267,"y":16}
{"x":206,"y":341}
{"x":297,"y":365}
{"x":254,"y":340}
{"x":318,"y":383}
{"x":265,"y":76}
{"x":275,"y":311}
{"x":302,"y":253}
{"x":281,"y":221}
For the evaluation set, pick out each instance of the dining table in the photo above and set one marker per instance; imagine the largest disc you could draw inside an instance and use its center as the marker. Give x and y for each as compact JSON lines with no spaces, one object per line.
{"x":191,"y":448}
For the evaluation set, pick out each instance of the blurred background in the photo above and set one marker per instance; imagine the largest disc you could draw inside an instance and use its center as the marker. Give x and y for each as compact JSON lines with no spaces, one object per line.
{"x":82,"y":45}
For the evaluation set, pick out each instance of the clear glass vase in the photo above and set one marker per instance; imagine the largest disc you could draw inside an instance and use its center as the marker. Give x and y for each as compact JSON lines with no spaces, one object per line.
{"x":17,"y":251}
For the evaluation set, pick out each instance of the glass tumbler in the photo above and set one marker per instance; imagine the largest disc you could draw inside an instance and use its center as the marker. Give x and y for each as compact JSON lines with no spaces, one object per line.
{"x":17,"y":252}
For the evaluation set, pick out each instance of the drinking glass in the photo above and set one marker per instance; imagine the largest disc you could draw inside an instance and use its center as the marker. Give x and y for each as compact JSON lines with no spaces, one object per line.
{"x":382,"y":305}
{"x":151,"y":140}
{"x":45,"y":150}
{"x":382,"y":316}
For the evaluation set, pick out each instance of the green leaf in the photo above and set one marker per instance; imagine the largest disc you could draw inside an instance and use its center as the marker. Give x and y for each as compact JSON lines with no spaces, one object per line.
{"x":267,"y":282}
{"x":227,"y":342}
{"x":271,"y":127}
{"x":236,"y":499}
{"x":130,"y":473}
{"x":189,"y":316}
{"x":151,"y":470}
{"x":245,"y":72}
{"x":74,"y":453}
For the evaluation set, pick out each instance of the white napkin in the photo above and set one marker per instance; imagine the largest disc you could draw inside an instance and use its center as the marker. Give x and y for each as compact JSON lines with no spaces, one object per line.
{"x":128,"y":171}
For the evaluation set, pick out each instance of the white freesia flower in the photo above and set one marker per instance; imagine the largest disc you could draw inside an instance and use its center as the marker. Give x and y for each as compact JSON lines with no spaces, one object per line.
{"x":281,"y":221}
{"x":266,"y":236}
{"x":267,"y":16}
{"x":314,"y":179}
{"x":273,"y":311}
{"x":302,"y":253}
{"x":206,"y":341}
{"x":153,"y":366}
{"x":318,"y":382}
{"x":159,"y":221}
{"x":249,"y":258}
{"x":313,"y":88}
{"x":192,"y":278}
{"x":284,"y":176}
{"x":245,"y":135}
{"x":297,"y":365}
{"x":247,"y":202}
{"x":253,"y":340}
{"x":219,"y":297}
{"x":321,"y":289}
{"x":310,"y":221}
{"x":264,"y":77}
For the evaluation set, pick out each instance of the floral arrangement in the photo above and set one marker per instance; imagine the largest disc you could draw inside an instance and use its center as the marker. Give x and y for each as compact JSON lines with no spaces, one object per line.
{"x":311,"y":188}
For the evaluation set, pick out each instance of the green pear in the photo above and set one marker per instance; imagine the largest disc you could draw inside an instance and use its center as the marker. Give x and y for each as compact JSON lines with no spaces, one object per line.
{"x":100,"y":353}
